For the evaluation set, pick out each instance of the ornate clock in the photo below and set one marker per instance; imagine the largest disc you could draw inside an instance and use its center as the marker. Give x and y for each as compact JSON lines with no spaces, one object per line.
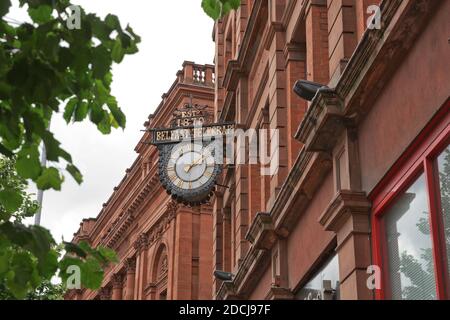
{"x":190,"y":154}
{"x":189,"y":170}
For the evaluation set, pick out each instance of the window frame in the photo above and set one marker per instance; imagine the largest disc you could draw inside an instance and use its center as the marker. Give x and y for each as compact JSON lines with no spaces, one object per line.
{"x":419,"y":158}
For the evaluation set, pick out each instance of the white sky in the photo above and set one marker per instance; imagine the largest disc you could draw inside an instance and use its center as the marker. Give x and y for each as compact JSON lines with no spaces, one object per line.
{"x":171,"y":31}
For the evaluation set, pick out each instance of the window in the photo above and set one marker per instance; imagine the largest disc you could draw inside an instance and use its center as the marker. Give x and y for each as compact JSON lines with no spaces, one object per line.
{"x":411,"y":218}
{"x":324,"y":285}
{"x":444,"y":187}
{"x":410,"y":256}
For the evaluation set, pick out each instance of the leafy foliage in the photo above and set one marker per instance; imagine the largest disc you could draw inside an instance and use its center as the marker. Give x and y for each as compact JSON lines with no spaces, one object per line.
{"x":217,"y":9}
{"x":45,"y":65}
{"x":46,"y":291}
{"x":29,"y":256}
{"x":15,"y":202}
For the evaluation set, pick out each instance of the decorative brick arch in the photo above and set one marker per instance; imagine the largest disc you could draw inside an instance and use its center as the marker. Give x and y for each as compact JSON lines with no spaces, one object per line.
{"x":160,"y":272}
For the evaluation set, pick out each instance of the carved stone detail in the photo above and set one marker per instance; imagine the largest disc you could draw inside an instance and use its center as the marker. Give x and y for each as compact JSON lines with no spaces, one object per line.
{"x":130,"y":265}
{"x":117,"y":280}
{"x":105,"y":293}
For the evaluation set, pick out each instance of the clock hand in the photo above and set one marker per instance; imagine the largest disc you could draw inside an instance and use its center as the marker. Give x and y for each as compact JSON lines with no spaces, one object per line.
{"x":188,"y":168}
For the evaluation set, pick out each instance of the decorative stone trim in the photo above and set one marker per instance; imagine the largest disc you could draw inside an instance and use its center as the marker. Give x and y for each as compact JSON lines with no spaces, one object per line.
{"x":150,"y":289}
{"x":117,"y":280}
{"x":105,"y":293}
{"x":130,"y":265}
{"x":278,"y":293}
{"x":142,"y":243}
{"x":227,"y":291}
{"x":261,"y":233}
{"x":323,"y":123}
{"x":344,"y":204}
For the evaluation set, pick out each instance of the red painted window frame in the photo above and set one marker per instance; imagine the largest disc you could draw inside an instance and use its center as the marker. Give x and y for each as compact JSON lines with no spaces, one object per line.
{"x":419,"y":158}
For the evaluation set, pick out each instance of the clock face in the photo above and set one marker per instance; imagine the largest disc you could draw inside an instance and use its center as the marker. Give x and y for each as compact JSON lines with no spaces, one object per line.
{"x":190,"y":166}
{"x":189,"y":171}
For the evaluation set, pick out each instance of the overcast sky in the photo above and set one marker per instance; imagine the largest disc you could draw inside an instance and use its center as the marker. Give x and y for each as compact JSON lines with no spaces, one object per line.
{"x":171,"y":31}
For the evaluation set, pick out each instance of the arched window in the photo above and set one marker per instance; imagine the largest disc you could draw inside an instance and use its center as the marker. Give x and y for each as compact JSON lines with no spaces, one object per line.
{"x":160,"y":272}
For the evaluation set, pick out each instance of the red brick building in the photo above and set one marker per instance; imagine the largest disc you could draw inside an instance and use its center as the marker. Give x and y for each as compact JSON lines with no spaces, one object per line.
{"x":164,"y":249}
{"x":364,"y":175}
{"x":364,"y":168}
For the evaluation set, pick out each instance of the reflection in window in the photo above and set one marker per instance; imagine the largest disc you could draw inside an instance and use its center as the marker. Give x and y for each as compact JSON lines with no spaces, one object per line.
{"x":444,"y":183}
{"x":411,"y":265}
{"x":324,"y":285}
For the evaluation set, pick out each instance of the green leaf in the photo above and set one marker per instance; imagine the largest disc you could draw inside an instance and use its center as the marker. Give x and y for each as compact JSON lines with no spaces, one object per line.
{"x":101,"y":62}
{"x":70,"y":109}
{"x":5,"y":258}
{"x":97,"y":113}
{"x":42,"y":14}
{"x":28,"y":164}
{"x":105,"y":125}
{"x":102,"y":94}
{"x":50,"y":179}
{"x":53,"y":149}
{"x":75,"y":173}
{"x":5,"y":151}
{"x":109,"y":254}
{"x":218,"y":8}
{"x":74,"y":249}
{"x":213,"y":8}
{"x":20,"y":274}
{"x":4,"y":7}
{"x":81,"y":111}
{"x":17,"y":234}
{"x":49,"y":264}
{"x":112,"y":21}
{"x":234,"y":4}
{"x":91,"y":274}
{"x":118,"y":53}
{"x":100,"y":29}
{"x":11,"y":200}
{"x":118,"y":115}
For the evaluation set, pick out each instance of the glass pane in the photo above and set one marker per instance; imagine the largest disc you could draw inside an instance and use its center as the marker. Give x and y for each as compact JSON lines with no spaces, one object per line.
{"x":324,"y":285}
{"x":444,"y":182}
{"x":411,"y":265}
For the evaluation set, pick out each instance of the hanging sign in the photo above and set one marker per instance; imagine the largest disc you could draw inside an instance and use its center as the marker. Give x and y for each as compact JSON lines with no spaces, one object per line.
{"x":190,"y":155}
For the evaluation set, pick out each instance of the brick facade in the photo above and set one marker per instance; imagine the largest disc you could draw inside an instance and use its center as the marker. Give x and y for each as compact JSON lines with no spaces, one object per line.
{"x":164,"y":248}
{"x":275,"y":233}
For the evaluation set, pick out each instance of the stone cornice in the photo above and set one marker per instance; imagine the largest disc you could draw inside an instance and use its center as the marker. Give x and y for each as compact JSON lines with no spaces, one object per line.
{"x":123,"y":222}
{"x":278,"y":293}
{"x":227,"y":292}
{"x":342,"y":206}
{"x":261,"y":233}
{"x":250,"y":271}
{"x":323,"y":122}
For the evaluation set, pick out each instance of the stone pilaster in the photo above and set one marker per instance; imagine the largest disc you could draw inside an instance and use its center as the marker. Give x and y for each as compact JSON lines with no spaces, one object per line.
{"x":105,"y":293}
{"x":130,"y":265}
{"x":348,"y":216}
{"x":117,"y":281}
